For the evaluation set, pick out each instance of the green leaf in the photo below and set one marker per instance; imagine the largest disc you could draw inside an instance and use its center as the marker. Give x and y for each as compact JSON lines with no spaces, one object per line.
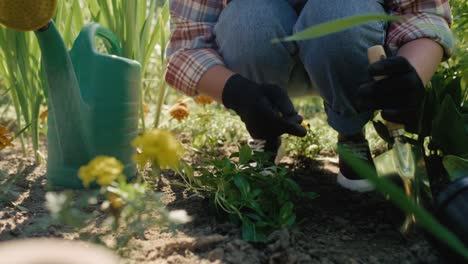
{"x":311,"y":195}
{"x":292,"y":185}
{"x":256,"y":193}
{"x":245,"y":155}
{"x":249,"y":231}
{"x":456,"y":167}
{"x":254,"y":217}
{"x":336,"y":25}
{"x":448,"y":129}
{"x":290,"y":221}
{"x":243,"y":185}
{"x":397,"y":196}
{"x":286,"y":211}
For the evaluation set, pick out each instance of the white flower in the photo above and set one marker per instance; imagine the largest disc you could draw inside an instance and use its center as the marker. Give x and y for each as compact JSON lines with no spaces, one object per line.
{"x":55,"y":202}
{"x":179,"y":217}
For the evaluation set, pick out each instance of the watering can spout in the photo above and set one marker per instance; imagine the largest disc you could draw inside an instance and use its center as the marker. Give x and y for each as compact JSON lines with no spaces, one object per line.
{"x":64,"y":94}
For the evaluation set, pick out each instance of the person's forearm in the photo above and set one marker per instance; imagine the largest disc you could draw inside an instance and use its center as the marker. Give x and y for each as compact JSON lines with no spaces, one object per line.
{"x":213,"y":81}
{"x":425,"y":55}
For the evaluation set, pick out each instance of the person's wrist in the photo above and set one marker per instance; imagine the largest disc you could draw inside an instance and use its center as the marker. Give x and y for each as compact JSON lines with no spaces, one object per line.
{"x":213,"y":81}
{"x":424,"y":55}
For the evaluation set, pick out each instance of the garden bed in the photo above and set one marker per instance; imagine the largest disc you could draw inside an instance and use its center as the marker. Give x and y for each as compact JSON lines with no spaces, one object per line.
{"x":337,"y":227}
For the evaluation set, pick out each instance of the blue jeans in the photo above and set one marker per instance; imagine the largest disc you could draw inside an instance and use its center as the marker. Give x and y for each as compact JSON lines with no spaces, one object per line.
{"x":334,"y":65}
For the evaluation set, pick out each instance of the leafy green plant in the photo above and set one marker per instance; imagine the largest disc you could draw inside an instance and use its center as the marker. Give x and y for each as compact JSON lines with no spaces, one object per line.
{"x":250,"y":190}
{"x":20,"y":68}
{"x":208,"y":126}
{"x":306,"y":147}
{"x":129,"y":208}
{"x":123,"y":210}
{"x":23,"y":79}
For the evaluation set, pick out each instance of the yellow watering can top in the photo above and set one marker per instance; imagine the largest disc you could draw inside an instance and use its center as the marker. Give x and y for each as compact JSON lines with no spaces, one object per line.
{"x":26,"y":15}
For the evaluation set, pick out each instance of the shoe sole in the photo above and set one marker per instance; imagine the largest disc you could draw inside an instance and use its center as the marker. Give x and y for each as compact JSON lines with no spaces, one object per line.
{"x":361,"y":186}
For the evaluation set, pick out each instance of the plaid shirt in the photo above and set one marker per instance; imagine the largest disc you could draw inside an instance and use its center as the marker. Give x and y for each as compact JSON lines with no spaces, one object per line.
{"x":192,"y":50}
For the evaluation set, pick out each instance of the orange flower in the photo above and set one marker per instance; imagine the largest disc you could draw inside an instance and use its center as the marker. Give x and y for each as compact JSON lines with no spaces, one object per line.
{"x":5,"y":141}
{"x":145,"y":109}
{"x":179,"y":112}
{"x":44,"y":114}
{"x":204,"y":100}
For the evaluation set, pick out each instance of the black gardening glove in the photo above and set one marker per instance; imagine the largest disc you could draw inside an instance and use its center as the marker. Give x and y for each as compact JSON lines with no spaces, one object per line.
{"x":399,"y":95}
{"x":265,"y":109}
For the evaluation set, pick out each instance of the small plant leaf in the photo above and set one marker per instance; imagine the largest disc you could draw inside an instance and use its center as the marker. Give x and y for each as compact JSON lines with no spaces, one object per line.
{"x":245,"y":155}
{"x":290,"y":221}
{"x":311,"y":195}
{"x":286,"y":211}
{"x":243,"y":185}
{"x":249,"y":231}
{"x":292,"y":185}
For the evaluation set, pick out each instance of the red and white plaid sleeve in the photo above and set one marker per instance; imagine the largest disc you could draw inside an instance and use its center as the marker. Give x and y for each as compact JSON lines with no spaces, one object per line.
{"x":192,"y":50}
{"x":421,"y":19}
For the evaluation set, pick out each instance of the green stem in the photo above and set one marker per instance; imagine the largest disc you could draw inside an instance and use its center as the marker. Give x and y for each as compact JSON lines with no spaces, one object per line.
{"x":142,"y":112}
{"x":162,"y":93}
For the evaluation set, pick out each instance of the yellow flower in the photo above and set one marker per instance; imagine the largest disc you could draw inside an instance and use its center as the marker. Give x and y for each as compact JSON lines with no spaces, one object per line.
{"x":159,"y":147}
{"x":105,"y":170}
{"x":204,"y":100}
{"x":5,"y":140}
{"x":179,"y":112}
{"x":115,"y":200}
{"x":305,"y":125}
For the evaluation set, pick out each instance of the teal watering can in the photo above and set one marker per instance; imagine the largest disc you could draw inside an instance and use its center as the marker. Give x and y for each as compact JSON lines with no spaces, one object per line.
{"x":93,"y":103}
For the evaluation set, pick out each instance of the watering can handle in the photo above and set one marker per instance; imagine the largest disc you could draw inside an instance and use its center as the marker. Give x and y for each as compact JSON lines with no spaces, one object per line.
{"x":93,"y":30}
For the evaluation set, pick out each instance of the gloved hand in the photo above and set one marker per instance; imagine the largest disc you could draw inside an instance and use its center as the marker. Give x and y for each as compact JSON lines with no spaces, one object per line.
{"x":399,"y":95}
{"x":265,"y":109}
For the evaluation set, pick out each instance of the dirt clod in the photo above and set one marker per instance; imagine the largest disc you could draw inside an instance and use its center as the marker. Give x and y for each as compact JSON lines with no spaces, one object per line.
{"x":216,"y":254}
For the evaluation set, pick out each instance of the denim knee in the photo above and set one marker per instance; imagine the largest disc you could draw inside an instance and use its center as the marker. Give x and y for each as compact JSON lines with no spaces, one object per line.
{"x":337,"y":63}
{"x":244,"y":32}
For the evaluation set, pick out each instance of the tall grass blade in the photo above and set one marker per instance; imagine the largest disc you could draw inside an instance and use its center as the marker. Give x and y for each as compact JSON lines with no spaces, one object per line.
{"x":335,"y":26}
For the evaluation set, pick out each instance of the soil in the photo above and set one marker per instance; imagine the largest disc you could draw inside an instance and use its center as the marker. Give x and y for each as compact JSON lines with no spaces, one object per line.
{"x":337,"y":227}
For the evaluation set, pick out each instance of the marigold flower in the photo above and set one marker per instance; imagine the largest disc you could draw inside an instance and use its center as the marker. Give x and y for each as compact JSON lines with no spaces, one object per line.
{"x":179,"y":112}
{"x":159,"y":147}
{"x":44,"y":114}
{"x":104,"y":169}
{"x":5,"y":140}
{"x":115,"y":200}
{"x":203,"y":100}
